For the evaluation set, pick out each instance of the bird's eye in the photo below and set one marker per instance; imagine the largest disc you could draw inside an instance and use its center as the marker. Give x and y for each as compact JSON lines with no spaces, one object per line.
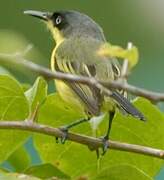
{"x":58,"y":20}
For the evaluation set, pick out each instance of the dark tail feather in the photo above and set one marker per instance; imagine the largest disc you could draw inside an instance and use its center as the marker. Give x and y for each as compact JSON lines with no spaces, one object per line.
{"x":127,"y":106}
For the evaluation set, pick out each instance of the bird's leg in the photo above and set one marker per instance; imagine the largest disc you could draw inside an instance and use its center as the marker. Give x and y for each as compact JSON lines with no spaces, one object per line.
{"x":106,"y":137}
{"x":66,"y":128}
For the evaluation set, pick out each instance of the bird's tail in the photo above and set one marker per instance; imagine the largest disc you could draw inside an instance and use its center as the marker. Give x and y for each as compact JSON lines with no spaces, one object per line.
{"x":127,"y":106}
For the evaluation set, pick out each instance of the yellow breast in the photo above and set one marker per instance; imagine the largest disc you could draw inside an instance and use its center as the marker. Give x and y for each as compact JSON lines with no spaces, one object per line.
{"x":66,"y":93}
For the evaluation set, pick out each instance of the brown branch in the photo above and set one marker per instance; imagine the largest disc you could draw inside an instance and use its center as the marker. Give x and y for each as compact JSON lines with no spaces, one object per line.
{"x":150,"y":95}
{"x":91,"y":142}
{"x":103,"y":86}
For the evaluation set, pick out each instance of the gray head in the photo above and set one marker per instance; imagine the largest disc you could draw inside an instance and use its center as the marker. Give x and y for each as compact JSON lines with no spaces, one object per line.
{"x":69,"y":23}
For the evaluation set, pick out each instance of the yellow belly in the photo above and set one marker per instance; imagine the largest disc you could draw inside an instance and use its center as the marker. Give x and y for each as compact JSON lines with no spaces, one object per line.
{"x":69,"y":97}
{"x":66,"y":93}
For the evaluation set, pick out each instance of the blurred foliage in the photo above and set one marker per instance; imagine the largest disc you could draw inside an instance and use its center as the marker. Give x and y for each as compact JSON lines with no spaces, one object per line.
{"x":12,"y":43}
{"x":140,"y":22}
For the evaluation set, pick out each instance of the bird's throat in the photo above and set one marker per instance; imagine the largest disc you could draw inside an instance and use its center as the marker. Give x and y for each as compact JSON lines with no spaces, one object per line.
{"x":57,"y":34}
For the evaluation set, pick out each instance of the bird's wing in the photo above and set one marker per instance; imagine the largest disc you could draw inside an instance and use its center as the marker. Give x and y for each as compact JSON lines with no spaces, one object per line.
{"x":78,"y":56}
{"x":127,"y":106}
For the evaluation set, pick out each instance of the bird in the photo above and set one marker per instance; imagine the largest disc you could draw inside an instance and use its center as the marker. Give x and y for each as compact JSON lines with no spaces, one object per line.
{"x":78,"y":38}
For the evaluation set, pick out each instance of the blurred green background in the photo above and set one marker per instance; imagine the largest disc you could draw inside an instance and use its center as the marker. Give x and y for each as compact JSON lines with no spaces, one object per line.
{"x":138,"y":21}
{"x":141,"y":22}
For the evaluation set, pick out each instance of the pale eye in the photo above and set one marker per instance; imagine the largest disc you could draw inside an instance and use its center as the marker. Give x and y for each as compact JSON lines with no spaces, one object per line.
{"x":58,"y":20}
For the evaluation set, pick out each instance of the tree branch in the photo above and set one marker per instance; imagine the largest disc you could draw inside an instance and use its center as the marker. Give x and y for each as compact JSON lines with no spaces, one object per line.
{"x":103,"y":86}
{"x":91,"y":142}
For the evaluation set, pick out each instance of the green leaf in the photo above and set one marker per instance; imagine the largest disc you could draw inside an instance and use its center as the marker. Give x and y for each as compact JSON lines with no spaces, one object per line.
{"x":132,"y":54}
{"x":4,"y":170}
{"x":16,"y":176}
{"x":134,"y":131}
{"x":56,"y":113}
{"x":13,"y":103}
{"x":76,"y":160}
{"x":25,"y":86}
{"x":37,"y":93}
{"x":13,"y":106}
{"x":4,"y":71}
{"x":122,"y":172}
{"x":45,"y":171}
{"x":20,"y":159}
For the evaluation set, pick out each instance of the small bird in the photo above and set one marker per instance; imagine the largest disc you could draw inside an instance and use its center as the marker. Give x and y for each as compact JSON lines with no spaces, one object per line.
{"x":78,"y":39}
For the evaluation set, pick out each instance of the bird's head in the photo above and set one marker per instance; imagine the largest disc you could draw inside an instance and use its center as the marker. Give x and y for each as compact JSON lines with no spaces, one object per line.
{"x":65,"y":24}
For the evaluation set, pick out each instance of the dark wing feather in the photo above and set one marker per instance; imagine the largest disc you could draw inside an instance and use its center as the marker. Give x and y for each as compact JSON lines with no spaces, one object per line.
{"x":127,"y":106}
{"x":88,"y":95}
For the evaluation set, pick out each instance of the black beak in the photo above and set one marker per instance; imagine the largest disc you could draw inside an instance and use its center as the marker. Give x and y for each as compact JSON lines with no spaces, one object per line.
{"x":41,"y":15}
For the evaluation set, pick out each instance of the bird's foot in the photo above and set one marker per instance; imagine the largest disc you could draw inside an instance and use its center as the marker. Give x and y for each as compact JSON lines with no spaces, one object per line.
{"x":105,"y":144}
{"x":63,"y":139}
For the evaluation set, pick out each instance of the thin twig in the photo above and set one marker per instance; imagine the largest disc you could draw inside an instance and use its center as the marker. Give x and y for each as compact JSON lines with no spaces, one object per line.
{"x":82,"y":139}
{"x":48,"y":74}
{"x":125,"y":69}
